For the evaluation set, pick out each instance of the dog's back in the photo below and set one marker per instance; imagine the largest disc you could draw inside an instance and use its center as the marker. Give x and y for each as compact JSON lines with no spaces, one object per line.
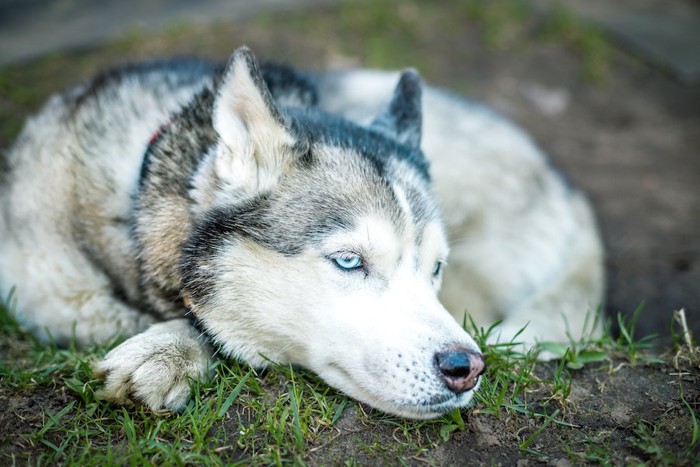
{"x":67,"y":194}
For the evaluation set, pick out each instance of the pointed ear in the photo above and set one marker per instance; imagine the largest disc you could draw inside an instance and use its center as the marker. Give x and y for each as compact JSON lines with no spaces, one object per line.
{"x":254,"y":141}
{"x":403,"y":117}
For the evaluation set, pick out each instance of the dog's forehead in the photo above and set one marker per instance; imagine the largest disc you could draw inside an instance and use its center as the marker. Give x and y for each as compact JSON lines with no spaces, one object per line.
{"x":329,"y":193}
{"x":395,"y":191}
{"x":321,"y":129}
{"x":382,"y":213}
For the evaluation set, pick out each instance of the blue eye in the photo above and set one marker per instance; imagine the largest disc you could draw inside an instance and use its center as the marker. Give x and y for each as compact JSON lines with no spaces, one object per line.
{"x":348,"y":262}
{"x":437,"y":268}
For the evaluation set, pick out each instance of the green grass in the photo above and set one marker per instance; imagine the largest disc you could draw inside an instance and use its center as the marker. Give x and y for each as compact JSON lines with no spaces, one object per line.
{"x":283,"y":415}
{"x":586,"y":40}
{"x":238,"y":416}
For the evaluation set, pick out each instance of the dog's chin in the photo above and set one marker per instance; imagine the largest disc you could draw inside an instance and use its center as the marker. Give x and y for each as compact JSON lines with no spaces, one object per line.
{"x":422,"y":411}
{"x":431,"y":407}
{"x":440,"y":406}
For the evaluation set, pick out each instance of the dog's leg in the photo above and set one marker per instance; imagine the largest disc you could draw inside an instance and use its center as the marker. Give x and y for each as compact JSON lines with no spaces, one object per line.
{"x":60,"y":295}
{"x":154,"y":367}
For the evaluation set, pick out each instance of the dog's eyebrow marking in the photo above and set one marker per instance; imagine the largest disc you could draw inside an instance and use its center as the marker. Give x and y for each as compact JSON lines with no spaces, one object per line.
{"x":404,"y":205}
{"x":418,"y":214}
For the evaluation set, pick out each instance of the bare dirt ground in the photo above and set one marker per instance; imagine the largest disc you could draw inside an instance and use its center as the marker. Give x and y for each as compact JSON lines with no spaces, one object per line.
{"x":623,"y":131}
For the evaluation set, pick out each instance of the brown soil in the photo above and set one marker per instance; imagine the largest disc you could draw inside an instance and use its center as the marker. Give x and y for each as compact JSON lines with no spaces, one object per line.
{"x":630,"y":140}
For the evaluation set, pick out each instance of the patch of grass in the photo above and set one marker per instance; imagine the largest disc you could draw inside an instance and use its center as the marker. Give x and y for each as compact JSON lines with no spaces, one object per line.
{"x":517,"y":386}
{"x":501,"y":21}
{"x":561,"y":25}
{"x":587,"y":349}
{"x":595,"y":449}
{"x":629,"y":344}
{"x":283,"y":415}
{"x":645,"y":439}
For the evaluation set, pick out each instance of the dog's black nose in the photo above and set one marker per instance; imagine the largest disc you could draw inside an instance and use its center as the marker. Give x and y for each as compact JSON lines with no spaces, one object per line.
{"x":460,"y":367}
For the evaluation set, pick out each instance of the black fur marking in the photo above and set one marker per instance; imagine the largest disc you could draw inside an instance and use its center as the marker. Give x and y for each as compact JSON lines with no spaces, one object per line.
{"x":375,"y":145}
{"x":288,"y":86}
{"x":310,"y":205}
{"x":256,"y":220}
{"x":180,"y":144}
{"x":216,"y":228}
{"x":403,"y":117}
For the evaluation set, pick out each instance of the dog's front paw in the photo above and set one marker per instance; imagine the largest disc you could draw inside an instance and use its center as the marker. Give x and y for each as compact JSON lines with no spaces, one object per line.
{"x":154,"y":367}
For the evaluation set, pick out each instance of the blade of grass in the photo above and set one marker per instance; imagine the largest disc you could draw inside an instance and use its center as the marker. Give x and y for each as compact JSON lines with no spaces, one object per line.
{"x":53,"y":419}
{"x":236,"y":391}
{"x":295,"y":415}
{"x":523,"y":446}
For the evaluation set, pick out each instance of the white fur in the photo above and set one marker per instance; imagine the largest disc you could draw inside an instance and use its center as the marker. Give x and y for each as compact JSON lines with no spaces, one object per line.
{"x":374,"y":337}
{"x":524,"y":247}
{"x":250,"y":155}
{"x":155,"y":366}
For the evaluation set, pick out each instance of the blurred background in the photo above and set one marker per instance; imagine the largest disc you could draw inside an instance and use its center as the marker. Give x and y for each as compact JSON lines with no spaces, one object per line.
{"x":611,"y":90}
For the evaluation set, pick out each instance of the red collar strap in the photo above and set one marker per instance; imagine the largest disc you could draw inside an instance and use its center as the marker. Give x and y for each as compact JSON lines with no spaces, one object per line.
{"x":159,"y":131}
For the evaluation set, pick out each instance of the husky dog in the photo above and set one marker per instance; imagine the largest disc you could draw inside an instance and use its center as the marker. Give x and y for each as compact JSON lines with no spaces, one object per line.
{"x":524,"y":244}
{"x":160,"y":193}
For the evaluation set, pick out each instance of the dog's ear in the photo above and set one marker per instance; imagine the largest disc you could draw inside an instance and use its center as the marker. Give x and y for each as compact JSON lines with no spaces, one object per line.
{"x":402,"y":119}
{"x":255,"y":143}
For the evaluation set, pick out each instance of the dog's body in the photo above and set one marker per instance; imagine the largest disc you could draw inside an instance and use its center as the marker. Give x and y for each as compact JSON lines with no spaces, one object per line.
{"x":289,"y":234}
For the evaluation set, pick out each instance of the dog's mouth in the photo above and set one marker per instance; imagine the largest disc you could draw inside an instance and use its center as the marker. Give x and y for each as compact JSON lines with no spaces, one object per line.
{"x":440,"y":404}
{"x":434,"y":407}
{"x":437,"y":401}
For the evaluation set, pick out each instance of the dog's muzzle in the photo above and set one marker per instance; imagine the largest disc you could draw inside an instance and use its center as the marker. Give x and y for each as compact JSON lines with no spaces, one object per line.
{"x":460,"y":368}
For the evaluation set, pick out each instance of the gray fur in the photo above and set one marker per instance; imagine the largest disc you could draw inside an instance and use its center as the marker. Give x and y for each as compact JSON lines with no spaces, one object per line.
{"x":177,"y":190}
{"x":402,"y":118}
{"x":165,"y":191}
{"x":306,"y":204}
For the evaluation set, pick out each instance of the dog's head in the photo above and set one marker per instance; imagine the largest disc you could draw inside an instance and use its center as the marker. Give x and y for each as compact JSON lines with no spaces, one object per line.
{"x":317,"y":243}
